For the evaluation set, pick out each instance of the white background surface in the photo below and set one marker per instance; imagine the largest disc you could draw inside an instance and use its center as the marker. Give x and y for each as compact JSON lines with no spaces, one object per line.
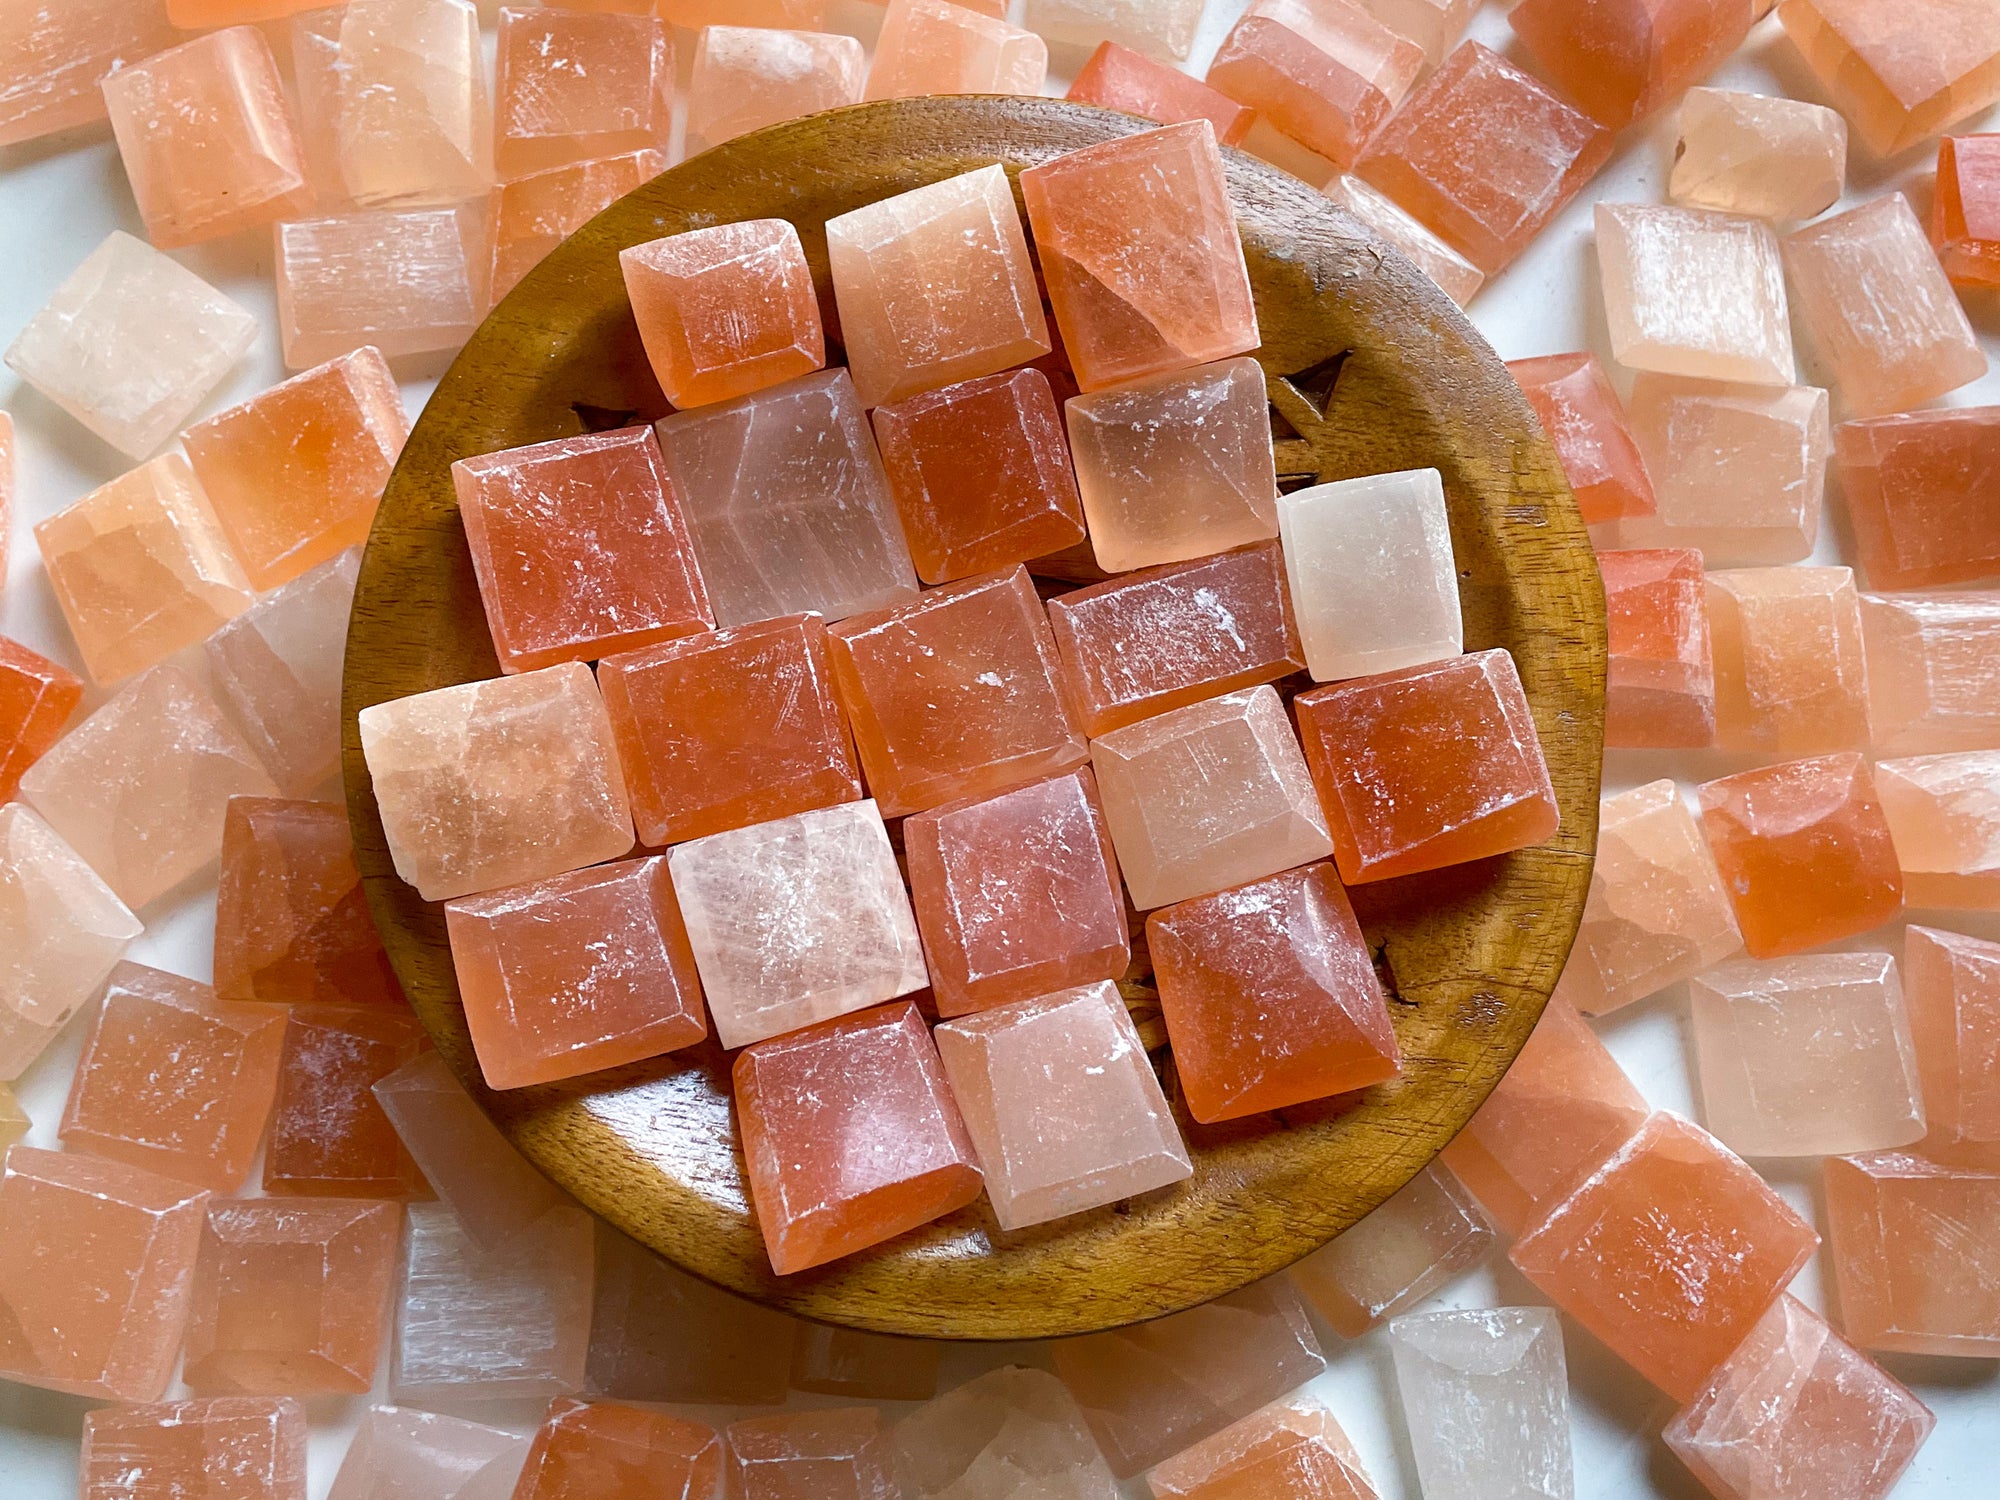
{"x":59,"y":197}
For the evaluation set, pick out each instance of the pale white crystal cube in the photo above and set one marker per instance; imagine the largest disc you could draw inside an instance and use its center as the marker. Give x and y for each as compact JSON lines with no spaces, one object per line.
{"x":1012,"y":1434}
{"x":1689,"y":292}
{"x":1159,"y":28}
{"x":1486,"y":1400}
{"x":398,"y":1454}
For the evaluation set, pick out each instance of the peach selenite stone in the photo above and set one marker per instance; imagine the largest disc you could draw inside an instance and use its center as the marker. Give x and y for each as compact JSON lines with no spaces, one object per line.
{"x":581,"y":972}
{"x":1758,"y":154}
{"x":930,"y":47}
{"x":1118,"y":78}
{"x":1789,"y":674}
{"x":730,"y":728}
{"x":1270,"y":996}
{"x":295,"y":474}
{"x":1796,"y":1413}
{"x":1563,"y":1107}
{"x":1175,"y":466}
{"x":1807,"y":1056}
{"x":37,"y":697}
{"x":842,"y":1362}
{"x":1151,"y":1390}
{"x":96,"y":1260}
{"x":1660,"y":691}
{"x":1162,"y":28}
{"x":619,"y":1452}
{"x":1584,"y":418}
{"x":411,"y":122}
{"x":1208,"y":796}
{"x":1900,"y":75}
{"x":1434,"y":25}
{"x":850,"y":1136}
{"x":227,"y":1447}
{"x":1486,"y":155}
{"x":1669,"y":1252}
{"x":1292,"y":1450}
{"x":1017,"y":894}
{"x":572,"y":86}
{"x":1918,"y":490}
{"x":291,"y":1295}
{"x":725,"y":311}
{"x":396,"y":1453}
{"x":1694,"y":293}
{"x":983,"y":1437}
{"x":1138,"y":246}
{"x":531,"y":215}
{"x":52,"y":58}
{"x":329,"y":1138}
{"x":1656,"y":913}
{"x":1944,"y":815}
{"x":1914,"y":1253}
{"x":494,"y":783}
{"x":1325,"y":72}
{"x":1933,"y":662}
{"x":1965,"y":214}
{"x":174,"y":1080}
{"x":1623,"y":59}
{"x":1457,"y":277}
{"x":1427,"y":767}
{"x":841,"y":1454}
{"x":1428,"y":1232}
{"x":748,"y":77}
{"x":1952,"y":983}
{"x":935,"y":286}
{"x":408,"y":282}
{"x":1062,"y":1104}
{"x":955,"y":695}
{"x":1880,"y":314}
{"x":138,"y":789}
{"x":1804,"y":851}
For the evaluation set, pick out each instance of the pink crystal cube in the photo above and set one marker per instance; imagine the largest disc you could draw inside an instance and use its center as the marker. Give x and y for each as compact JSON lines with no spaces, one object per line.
{"x":1900,"y":75}
{"x":1427,"y":1233}
{"x":1789,"y":673}
{"x":619,"y":1453}
{"x":1965,"y":215}
{"x":930,"y":47}
{"x":37,"y":697}
{"x":52,"y":59}
{"x":1584,"y":418}
{"x":1693,"y":293}
{"x":1913,"y":1253}
{"x":1325,"y":72}
{"x":841,"y":1362}
{"x":748,"y":77}
{"x":1062,"y":1104}
{"x":1933,"y":662}
{"x":1953,"y":988}
{"x":1138,"y":245}
{"x":1290,"y":1448}
{"x":1939,"y":809}
{"x":841,"y":1454}
{"x":1119,"y":78}
{"x":1623,"y":60}
{"x":1660,"y":690}
{"x":396,"y":1452}
{"x":230,"y":1447}
{"x":1915,"y":488}
{"x":533,"y":214}
{"x":1758,"y":154}
{"x":580,"y":972}
{"x":408,"y":282}
{"x":329,"y":1138}
{"x":574,"y":85}
{"x":1457,"y":277}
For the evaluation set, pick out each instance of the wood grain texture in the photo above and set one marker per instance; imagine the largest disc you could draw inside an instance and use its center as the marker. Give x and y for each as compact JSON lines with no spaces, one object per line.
{"x":1373,"y":370}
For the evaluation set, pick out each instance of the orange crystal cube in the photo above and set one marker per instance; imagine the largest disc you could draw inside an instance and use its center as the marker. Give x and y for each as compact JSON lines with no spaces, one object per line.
{"x":1804,"y":851}
{"x":1623,"y":60}
{"x":747,"y":77}
{"x":1292,"y":1450}
{"x":841,"y":1454}
{"x":1789,"y":673}
{"x":1900,"y":75}
{"x":1660,"y":691}
{"x":1759,"y":154}
{"x":329,"y":1137}
{"x":37,"y":697}
{"x":226,"y":1446}
{"x":53,"y":57}
{"x":1425,"y":1234}
{"x":574,"y":85}
{"x":1965,"y":214}
{"x":1952,"y":985}
{"x":533,"y":214}
{"x":1584,"y":418}
{"x":614,"y":1452}
{"x":1918,"y":489}
{"x":1914,"y":1255}
{"x":833,"y":1169}
{"x":1325,"y":72}
{"x":930,"y":47}
{"x":1669,"y":1252}
{"x":1118,"y":78}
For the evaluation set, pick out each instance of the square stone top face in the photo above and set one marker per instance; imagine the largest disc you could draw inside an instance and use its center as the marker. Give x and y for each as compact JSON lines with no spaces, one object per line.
{"x":1584,"y":418}
{"x":489,"y":784}
{"x":1790,"y":678}
{"x":748,"y":77}
{"x":1140,"y":252}
{"x":1965,"y":217}
{"x":37,"y":697}
{"x":1900,"y":77}
{"x":1117,"y":77}
{"x":407,"y":281}
{"x":616,"y":1452}
{"x":1911,"y":483}
{"x":419,"y":1453}
{"x":1932,"y":663}
{"x":1689,"y":292}
{"x":226,"y":1446}
{"x":1758,"y":154}
{"x":930,"y":47}
{"x":1939,"y":809}
{"x":58,"y":55}
{"x":329,"y":1138}
{"x":1290,"y":1448}
{"x":1486,"y":1396}
{"x":797,"y":920}
{"x":574,"y":86}
{"x":61,"y":927}
{"x":1427,"y":1232}
{"x":1660,"y":688}
{"x":1325,"y":72}
{"x":1952,"y":983}
{"x":986,"y":1433}
{"x":532,"y":215}
{"x":838,"y":1454}
{"x":407,"y":106}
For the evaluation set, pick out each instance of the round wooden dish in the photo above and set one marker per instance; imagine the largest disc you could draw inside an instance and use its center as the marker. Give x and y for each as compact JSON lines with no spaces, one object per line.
{"x":1372,"y":369}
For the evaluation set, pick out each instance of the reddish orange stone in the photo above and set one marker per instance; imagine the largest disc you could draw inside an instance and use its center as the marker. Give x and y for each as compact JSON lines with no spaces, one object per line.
{"x":605,"y":1451}
{"x":1623,"y":59}
{"x":534,"y":214}
{"x":1584,"y":418}
{"x":328,"y":1135}
{"x":1325,"y":72}
{"x":1919,"y":490}
{"x":1661,"y":687}
{"x":842,"y":1454}
{"x":1116,"y":77}
{"x":37,"y":697}
{"x":1804,"y":851}
{"x":573,"y":85}
{"x":1965,"y":214}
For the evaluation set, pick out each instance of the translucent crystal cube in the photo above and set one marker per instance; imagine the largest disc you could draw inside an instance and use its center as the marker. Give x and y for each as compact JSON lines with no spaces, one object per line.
{"x":1944,"y":815}
{"x":1584,"y":418}
{"x":407,"y":104}
{"x":1289,"y":1448}
{"x":1457,"y":277}
{"x":930,"y":47}
{"x":987,"y":1432}
{"x":841,"y":1454}
{"x":1914,"y":491}
{"x":397,"y":1452}
{"x":1694,"y":293}
{"x":1325,"y":72}
{"x":1428,"y":1232}
{"x":532,"y":215}
{"x":1916,"y":1270}
{"x":254,"y":1448}
{"x":1117,"y":77}
{"x":619,"y":1453}
{"x":329,"y":1138}
{"x":408,"y":282}
{"x":748,"y":77}
{"x":1660,"y":688}
{"x":1485,"y":1397}
{"x":1625,"y":59}
{"x":1952,"y":985}
{"x":1899,"y":75}
{"x":1789,"y":673}
{"x":1965,"y":213}
{"x":56,"y":56}
{"x":1758,"y":154}
{"x":1434,"y":25}
{"x":1157,"y":28}
{"x":1933,"y":663}
{"x":576,"y":85}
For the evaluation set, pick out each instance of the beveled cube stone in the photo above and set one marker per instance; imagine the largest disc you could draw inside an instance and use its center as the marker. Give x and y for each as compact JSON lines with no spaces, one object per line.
{"x":131,"y":344}
{"x":1434,"y":25}
{"x":1457,"y":277}
{"x":1933,"y":663}
{"x":790,"y":509}
{"x":930,"y":47}
{"x":410,"y":281}
{"x":1804,"y":851}
{"x":496,"y":783}
{"x":96,"y":1258}
{"x":1694,"y":293}
{"x":1175,"y":466}
{"x":747,"y":77}
{"x":1138,"y":246}
{"x":1270,"y":996}
{"x":138,"y":788}
{"x":1875,"y":303}
{"x":842,"y":1362}
{"x":1914,"y":486}
{"x":575,"y":85}
{"x":1120,"y":78}
{"x":1789,"y":673}
{"x":1952,"y":984}
{"x":52,"y":59}
{"x":409,"y":114}
{"x":1371,"y":571}
{"x":1758,"y":154}
{"x":1154,"y":1389}
{"x":1485,"y":1397}
{"x":37,"y":697}
{"x":842,"y":1454}
{"x":1965,"y":213}
{"x":1110,"y":1137}
{"x":229,"y":1447}
{"x":1670,"y":1252}
{"x":797,"y":920}
{"x":397,"y":1453}
{"x":1291,"y":1450}
{"x":983,"y":1436}
{"x":1485,"y":154}
{"x":1660,"y":688}
{"x":1586,"y":421}
{"x":1797,"y":1411}
{"x":1917,"y":1265}
{"x":329,"y":1138}
{"x":1942,"y":817}
{"x":1900,"y":76}
{"x":295,"y":474}
{"x":1325,"y":72}
{"x":1623,"y":60}
{"x":580,"y":972}
{"x":725,"y":311}
{"x":474,"y":1327}
{"x":533,"y":214}
{"x":1427,"y":767}
{"x":1160,"y":28}
{"x":207,"y":139}
{"x":619,"y":1453}
{"x":1427,"y":1233}
{"x":1207,"y":796}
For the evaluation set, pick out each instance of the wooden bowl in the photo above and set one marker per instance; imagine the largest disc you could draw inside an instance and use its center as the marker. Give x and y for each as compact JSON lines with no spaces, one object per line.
{"x":1372,"y":370}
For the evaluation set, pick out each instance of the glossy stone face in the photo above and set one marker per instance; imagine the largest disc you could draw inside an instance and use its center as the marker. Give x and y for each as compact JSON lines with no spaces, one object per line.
{"x":1804,"y":851}
{"x":748,"y":77}
{"x":1486,"y":154}
{"x":131,"y":343}
{"x":1913,"y":485}
{"x":1485,"y":1397}
{"x":1660,"y":688}
{"x":295,"y":474}
{"x":409,"y":281}
{"x":1117,"y":77}
{"x":797,"y":920}
{"x":990,"y":1432}
{"x":841,"y":1454}
{"x":1424,"y":1235}
{"x":1798,"y":1411}
{"x":1952,"y":984}
{"x":1427,"y":767}
{"x":1138,"y":247}
{"x":406,"y":103}
{"x":96,"y":1259}
{"x":533,"y":214}
{"x":930,"y":47}
{"x":1944,"y":816}
{"x":1965,"y":214}
{"x":1932,"y":663}
{"x":1898,"y":76}
{"x":1758,"y":154}
{"x":396,"y":1452}
{"x":1584,"y":418}
{"x":1918,"y":1273}
{"x":1670,"y":1252}
{"x":842,"y":1362}
{"x":228,"y":1447}
{"x":850,"y":1136}
{"x":1694,"y":293}
{"x":1789,"y":673}
{"x":1017,"y":894}
{"x":328,"y":1135}
{"x":725,"y":311}
{"x":1325,"y":72}
{"x":1292,"y":1450}
{"x":573,"y":86}
{"x":1657,"y":912}
{"x":490,"y":784}
{"x":790,"y":509}
{"x":1624,"y":60}
{"x":1159,"y":28}
{"x":1111,"y":1136}
{"x":619,"y":1453}
{"x":1457,"y":277}
{"x":1434,"y":25}
{"x":57,"y":56}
